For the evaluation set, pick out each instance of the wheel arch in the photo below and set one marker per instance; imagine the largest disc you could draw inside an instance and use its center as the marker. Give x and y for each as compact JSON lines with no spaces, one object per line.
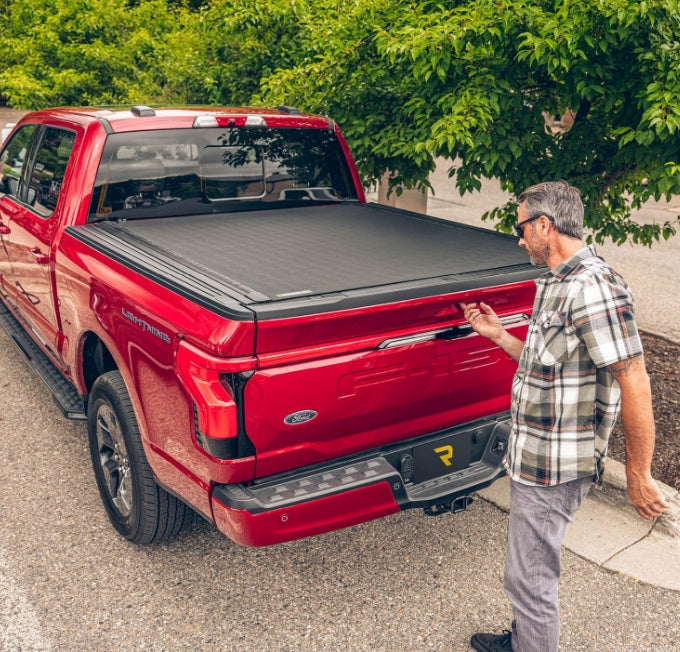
{"x":96,"y":358}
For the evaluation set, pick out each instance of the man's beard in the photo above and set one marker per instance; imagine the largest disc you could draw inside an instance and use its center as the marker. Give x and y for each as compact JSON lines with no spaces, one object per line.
{"x":539,"y":257}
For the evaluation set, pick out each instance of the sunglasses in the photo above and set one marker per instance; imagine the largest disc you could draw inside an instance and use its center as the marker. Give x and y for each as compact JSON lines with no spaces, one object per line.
{"x":519,"y":228}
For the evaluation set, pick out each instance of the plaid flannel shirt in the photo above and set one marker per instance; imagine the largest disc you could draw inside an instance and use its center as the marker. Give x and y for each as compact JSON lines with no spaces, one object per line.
{"x":565,"y":400}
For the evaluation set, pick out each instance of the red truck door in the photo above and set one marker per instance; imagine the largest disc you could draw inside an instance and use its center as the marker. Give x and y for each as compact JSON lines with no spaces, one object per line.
{"x":29,"y":220}
{"x":5,"y":268}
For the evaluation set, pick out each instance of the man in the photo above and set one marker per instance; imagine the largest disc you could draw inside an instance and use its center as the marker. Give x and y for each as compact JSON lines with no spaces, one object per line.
{"x":581,"y":362}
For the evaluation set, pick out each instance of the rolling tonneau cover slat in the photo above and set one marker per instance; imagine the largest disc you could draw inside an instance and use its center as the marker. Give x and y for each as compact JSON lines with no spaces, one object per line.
{"x":285,"y":262}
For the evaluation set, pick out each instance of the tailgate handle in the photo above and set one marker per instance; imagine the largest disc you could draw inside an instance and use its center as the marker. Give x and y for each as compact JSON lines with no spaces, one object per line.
{"x":441,"y":334}
{"x":519,"y":318}
{"x":455,"y":332}
{"x":452,"y":333}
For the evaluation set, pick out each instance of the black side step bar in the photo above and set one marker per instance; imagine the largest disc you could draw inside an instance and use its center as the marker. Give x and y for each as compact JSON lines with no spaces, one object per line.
{"x":65,"y":395}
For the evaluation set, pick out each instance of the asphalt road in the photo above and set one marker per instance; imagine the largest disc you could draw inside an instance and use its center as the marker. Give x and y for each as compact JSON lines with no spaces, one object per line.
{"x":407,"y":582}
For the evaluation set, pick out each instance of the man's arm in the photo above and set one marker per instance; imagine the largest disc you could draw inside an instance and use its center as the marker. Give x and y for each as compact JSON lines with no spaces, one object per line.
{"x":638,"y":429}
{"x":487,"y":324}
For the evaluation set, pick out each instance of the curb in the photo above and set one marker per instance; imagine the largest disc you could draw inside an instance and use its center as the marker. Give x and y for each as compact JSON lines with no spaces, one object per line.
{"x":659,"y":334}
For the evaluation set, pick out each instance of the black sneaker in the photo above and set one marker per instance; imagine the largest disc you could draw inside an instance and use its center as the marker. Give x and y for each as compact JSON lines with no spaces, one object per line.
{"x":492,"y":642}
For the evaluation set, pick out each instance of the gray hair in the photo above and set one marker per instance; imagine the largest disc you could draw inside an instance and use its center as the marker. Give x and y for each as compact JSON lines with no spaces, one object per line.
{"x":560,"y":201}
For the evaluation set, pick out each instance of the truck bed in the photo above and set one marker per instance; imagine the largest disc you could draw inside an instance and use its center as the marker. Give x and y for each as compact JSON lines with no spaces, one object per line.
{"x":302,"y":260}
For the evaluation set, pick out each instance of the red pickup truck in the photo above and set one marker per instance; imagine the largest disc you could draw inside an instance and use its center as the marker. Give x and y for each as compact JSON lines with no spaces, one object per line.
{"x":246,"y":337}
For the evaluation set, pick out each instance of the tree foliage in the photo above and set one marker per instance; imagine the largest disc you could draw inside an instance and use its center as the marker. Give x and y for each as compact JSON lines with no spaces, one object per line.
{"x":244,"y":41}
{"x":61,"y":52}
{"x":408,"y":80}
{"x":471,"y":82}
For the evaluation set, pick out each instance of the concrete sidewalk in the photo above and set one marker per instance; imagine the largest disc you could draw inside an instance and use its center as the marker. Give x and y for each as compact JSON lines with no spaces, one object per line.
{"x":608,"y":532}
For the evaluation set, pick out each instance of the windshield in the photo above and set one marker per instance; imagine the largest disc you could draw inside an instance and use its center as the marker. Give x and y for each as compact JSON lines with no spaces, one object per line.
{"x":197,"y":171}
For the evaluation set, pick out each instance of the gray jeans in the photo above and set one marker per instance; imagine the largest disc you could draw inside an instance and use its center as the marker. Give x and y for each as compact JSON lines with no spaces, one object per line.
{"x":539,"y":517}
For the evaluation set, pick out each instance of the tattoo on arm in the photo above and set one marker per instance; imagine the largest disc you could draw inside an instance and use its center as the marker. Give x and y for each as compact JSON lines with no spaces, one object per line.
{"x":628,"y":366}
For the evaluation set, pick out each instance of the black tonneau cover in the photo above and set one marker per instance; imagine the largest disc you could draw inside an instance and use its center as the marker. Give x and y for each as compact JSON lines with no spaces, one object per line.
{"x":302,"y":260}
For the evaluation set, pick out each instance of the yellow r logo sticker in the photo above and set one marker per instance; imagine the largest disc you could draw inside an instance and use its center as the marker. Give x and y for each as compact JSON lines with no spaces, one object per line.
{"x":445,"y":453}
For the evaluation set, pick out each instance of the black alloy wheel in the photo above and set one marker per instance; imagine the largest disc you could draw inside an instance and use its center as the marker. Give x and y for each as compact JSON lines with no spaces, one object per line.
{"x":139,"y":509}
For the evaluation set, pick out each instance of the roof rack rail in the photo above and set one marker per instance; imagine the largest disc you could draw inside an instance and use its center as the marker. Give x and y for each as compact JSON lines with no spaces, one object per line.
{"x":142,"y":111}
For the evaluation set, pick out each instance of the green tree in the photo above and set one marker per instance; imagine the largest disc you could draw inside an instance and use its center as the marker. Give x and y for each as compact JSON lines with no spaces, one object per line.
{"x":408,"y":80}
{"x":471,"y":81}
{"x":240,"y":42}
{"x":60,"y":52}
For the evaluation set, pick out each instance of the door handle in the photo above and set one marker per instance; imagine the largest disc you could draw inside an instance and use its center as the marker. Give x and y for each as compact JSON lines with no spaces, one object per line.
{"x":40,"y":257}
{"x":4,"y":230}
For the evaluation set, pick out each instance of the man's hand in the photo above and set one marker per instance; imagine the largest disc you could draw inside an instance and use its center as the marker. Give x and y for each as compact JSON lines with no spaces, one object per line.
{"x":645,"y":496}
{"x":486,"y":323}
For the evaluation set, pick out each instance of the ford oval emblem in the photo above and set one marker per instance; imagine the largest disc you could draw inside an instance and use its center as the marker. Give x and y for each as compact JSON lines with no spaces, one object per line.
{"x":301,"y":416}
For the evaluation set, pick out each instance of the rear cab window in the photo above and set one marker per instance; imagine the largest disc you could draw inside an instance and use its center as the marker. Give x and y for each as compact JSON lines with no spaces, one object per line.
{"x":211,"y":170}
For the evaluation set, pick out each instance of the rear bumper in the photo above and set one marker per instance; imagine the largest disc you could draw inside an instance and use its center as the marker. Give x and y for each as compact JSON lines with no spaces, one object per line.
{"x":354,"y":490}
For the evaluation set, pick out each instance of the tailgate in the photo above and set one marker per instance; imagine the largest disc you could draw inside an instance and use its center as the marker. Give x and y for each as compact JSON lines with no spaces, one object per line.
{"x":358,"y":380}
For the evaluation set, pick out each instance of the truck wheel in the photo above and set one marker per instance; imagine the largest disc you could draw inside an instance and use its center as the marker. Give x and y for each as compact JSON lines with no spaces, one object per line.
{"x":136,"y":505}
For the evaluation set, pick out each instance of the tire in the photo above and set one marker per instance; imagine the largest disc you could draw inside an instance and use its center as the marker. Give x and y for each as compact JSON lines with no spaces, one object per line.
{"x":139,"y":509}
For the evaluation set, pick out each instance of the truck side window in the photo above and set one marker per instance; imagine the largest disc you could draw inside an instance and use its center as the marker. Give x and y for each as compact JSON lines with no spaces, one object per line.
{"x":48,"y":170}
{"x":13,"y":158}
